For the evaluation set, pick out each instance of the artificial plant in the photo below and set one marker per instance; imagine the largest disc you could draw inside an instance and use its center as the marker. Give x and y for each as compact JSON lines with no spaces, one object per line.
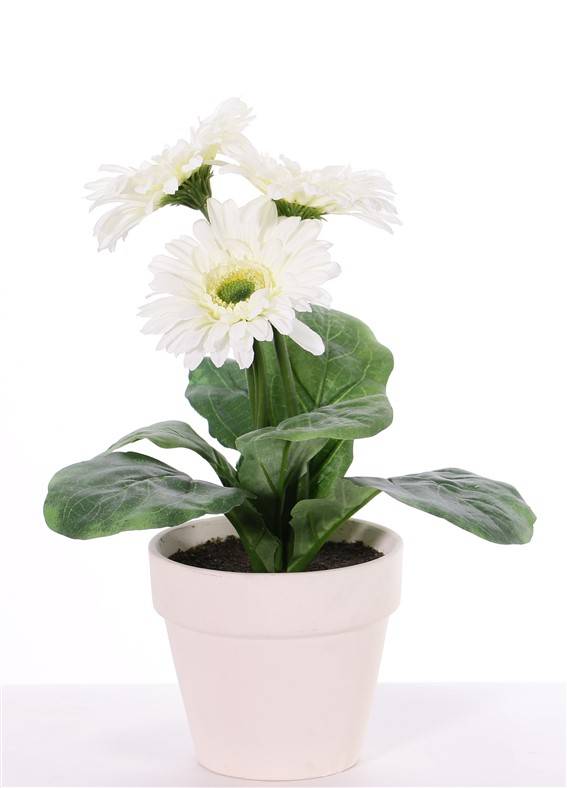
{"x":280,"y":377}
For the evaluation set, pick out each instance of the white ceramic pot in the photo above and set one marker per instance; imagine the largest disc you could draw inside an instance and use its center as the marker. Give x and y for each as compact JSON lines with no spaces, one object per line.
{"x":277,"y":671}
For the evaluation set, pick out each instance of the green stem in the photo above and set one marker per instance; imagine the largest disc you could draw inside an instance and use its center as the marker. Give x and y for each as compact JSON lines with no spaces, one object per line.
{"x":286,"y":372}
{"x":282,"y":524}
{"x":288,"y":496}
{"x":262,"y":405}
{"x":259,"y":393}
{"x":251,"y":380}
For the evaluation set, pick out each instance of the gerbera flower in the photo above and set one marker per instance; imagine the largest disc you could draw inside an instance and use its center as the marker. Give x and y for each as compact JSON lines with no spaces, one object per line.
{"x":313,"y":193}
{"x":180,"y":174}
{"x":248,"y":272}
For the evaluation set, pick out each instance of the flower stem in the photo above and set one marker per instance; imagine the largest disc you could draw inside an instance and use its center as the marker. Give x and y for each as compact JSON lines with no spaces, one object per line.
{"x":251,"y":380}
{"x":286,"y":372}
{"x":288,"y":495}
{"x":261,"y":399}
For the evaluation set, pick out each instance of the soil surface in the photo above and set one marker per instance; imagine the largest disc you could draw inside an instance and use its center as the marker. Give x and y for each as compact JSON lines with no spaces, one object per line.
{"x":228,"y":555}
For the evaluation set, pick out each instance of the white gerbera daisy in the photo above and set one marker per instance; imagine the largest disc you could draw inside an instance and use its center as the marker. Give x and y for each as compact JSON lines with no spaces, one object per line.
{"x":248,"y":272}
{"x":180,"y":174}
{"x":313,"y":193}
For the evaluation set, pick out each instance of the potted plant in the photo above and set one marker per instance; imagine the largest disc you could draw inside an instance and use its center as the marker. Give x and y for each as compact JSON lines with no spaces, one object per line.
{"x":277,"y":606}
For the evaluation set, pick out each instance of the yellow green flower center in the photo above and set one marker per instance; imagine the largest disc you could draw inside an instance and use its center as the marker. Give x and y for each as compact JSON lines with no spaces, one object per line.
{"x":235,"y":289}
{"x":235,"y":283}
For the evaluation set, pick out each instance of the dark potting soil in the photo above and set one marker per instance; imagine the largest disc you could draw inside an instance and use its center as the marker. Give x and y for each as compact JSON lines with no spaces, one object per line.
{"x":228,"y":555}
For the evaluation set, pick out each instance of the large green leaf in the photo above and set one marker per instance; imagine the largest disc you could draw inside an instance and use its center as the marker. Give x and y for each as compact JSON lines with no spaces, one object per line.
{"x":129,"y":491}
{"x":175,"y":435}
{"x":346,"y":420}
{"x":263,"y":548}
{"x":221,"y":396}
{"x":492,"y":510}
{"x":352,"y":365}
{"x":315,"y":519}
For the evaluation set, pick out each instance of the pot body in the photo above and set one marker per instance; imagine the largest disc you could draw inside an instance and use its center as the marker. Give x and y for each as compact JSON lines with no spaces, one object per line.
{"x":277,"y":671}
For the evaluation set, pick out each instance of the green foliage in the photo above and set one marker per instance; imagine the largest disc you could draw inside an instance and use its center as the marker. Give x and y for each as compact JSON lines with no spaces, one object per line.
{"x":293,"y":419}
{"x":263,"y":546}
{"x":314,"y":520}
{"x":128,"y":491}
{"x":175,"y":435}
{"x":353,"y":366}
{"x":328,"y":466}
{"x":351,"y":374}
{"x":492,"y":510}
{"x":260,"y":543}
{"x":346,"y":420}
{"x":340,"y":396}
{"x":221,"y":397}
{"x":272,"y":469}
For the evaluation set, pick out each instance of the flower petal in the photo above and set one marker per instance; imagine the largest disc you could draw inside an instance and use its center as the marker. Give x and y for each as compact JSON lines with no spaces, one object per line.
{"x":306,"y":338}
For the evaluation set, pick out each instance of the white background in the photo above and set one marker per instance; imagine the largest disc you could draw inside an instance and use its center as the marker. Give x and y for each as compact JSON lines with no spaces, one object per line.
{"x":462,"y":105}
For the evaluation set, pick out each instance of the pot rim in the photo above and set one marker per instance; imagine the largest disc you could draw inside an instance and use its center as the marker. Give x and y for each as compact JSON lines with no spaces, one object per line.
{"x":155,"y":552}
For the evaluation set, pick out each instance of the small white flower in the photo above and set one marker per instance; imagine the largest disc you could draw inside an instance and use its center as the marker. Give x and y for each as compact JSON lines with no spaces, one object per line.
{"x":137,"y":192}
{"x":365,"y":194}
{"x":248,"y":272}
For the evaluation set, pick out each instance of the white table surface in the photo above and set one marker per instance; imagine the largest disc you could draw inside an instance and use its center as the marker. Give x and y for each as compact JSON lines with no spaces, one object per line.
{"x":419,"y":735}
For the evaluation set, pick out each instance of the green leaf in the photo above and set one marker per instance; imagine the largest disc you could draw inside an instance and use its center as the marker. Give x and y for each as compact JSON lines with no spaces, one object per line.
{"x":492,"y":510}
{"x":345,"y":420}
{"x":264,"y":548}
{"x":329,"y":465}
{"x":353,"y":365}
{"x":177,"y":434}
{"x":315,"y":519}
{"x":129,"y":491}
{"x":221,"y":396}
